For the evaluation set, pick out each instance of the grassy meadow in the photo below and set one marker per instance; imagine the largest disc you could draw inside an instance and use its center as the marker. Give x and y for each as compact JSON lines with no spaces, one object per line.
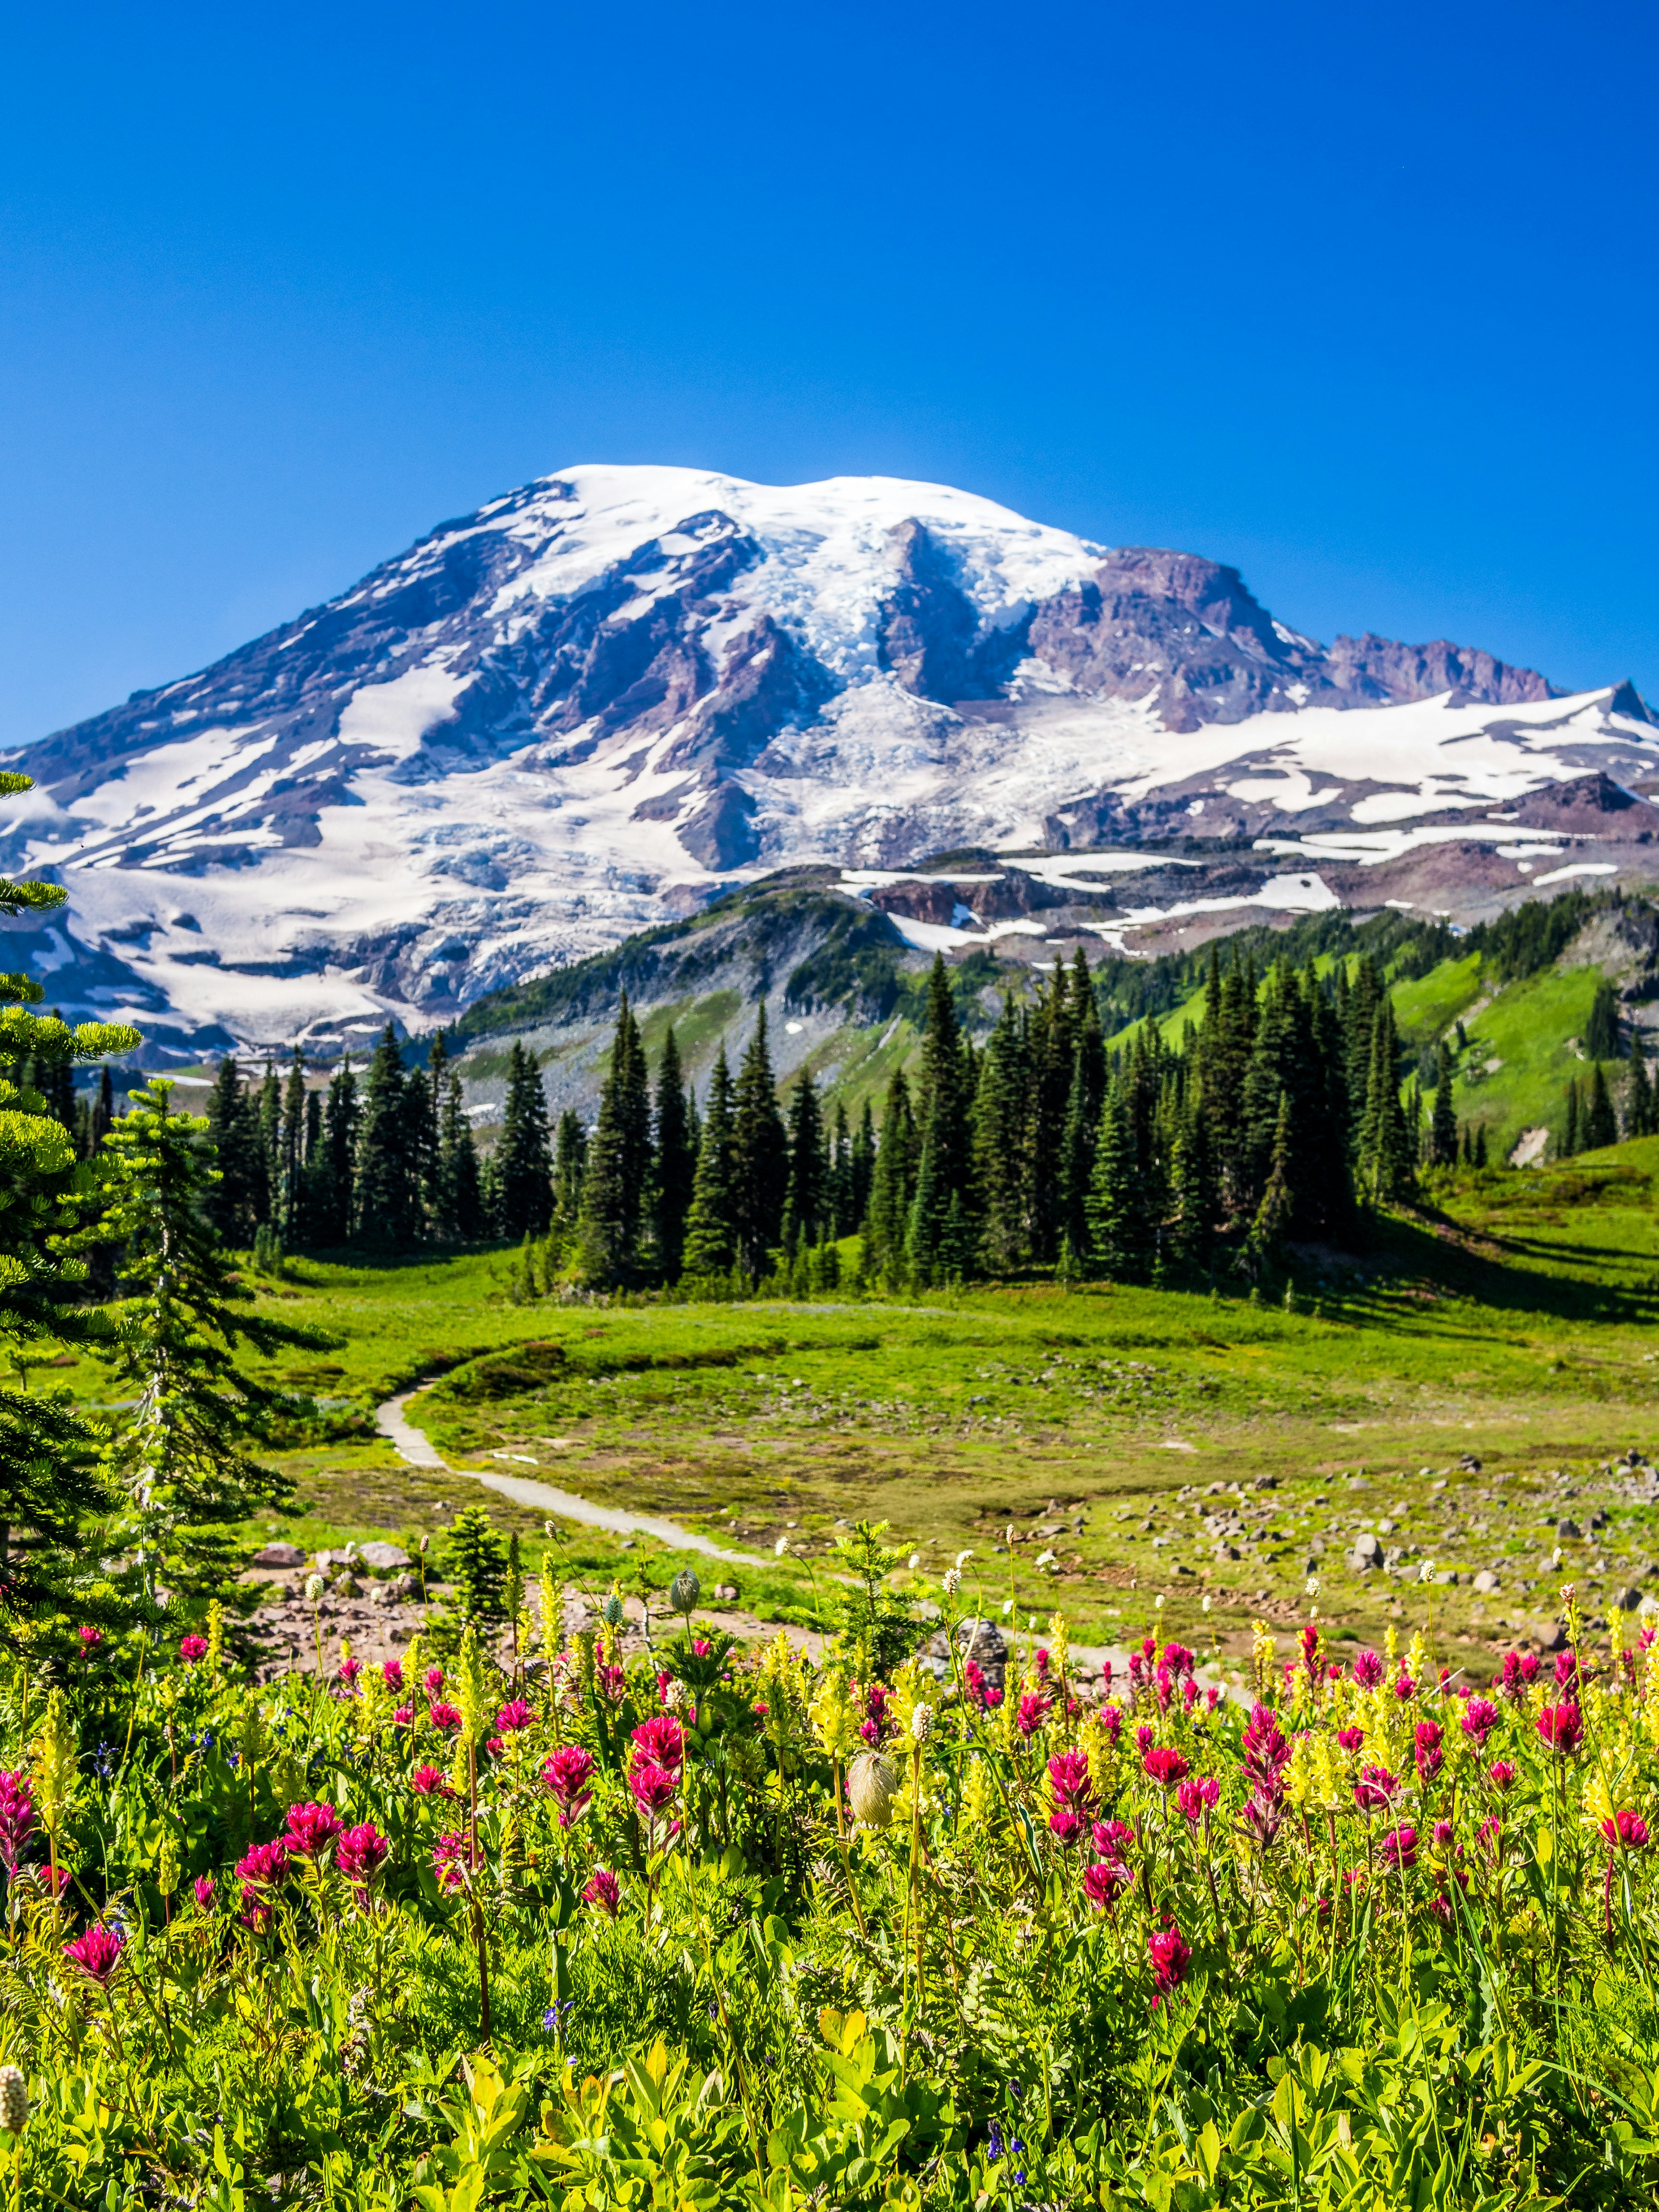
{"x":1144,"y":1444}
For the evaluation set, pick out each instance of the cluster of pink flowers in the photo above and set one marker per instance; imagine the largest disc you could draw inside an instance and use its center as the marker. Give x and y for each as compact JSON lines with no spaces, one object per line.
{"x":654,"y":1773}
{"x":98,"y":1952}
{"x":1073,"y":1793}
{"x":568,"y":1775}
{"x":16,"y":1816}
{"x":455,"y":1860}
{"x":192,"y":1648}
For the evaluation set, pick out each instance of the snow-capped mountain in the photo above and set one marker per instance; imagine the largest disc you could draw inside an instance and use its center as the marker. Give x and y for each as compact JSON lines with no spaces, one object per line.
{"x":602,"y":698}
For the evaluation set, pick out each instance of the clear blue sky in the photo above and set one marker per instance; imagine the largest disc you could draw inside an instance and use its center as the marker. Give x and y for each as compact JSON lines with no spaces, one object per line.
{"x":1361,"y":300}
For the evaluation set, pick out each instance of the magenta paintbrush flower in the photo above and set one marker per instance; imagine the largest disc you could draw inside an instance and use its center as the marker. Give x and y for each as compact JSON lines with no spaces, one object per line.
{"x":1562,"y":1727}
{"x":1068,"y":1780}
{"x":1375,"y":1790}
{"x":1629,"y":1830}
{"x":16,"y":1816}
{"x":1170,"y":1955}
{"x":429,"y":1781}
{"x":515,"y":1716}
{"x":454,"y":1859}
{"x":193,"y":1648}
{"x":1165,"y":1765}
{"x":312,"y":1829}
{"x":1033,"y":1711}
{"x":568,"y":1775}
{"x":203,"y":1887}
{"x":1197,"y":1798}
{"x":444,"y":1715}
{"x":1103,"y":1883}
{"x":603,"y":1891}
{"x":1399,"y":1848}
{"x":264,"y":1865}
{"x":98,"y":1952}
{"x":360,"y":1853}
{"x":661,"y":1740}
{"x":653,"y":1788}
{"x":1480,"y":1719}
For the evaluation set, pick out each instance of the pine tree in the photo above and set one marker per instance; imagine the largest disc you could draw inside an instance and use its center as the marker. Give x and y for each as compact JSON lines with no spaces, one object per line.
{"x":288,"y":1205}
{"x":1002,"y":1117}
{"x":1442,"y":1129}
{"x":760,"y":1158}
{"x":570,"y":1166}
{"x":334,"y":1167}
{"x":1600,"y":1125}
{"x":1117,"y":1236}
{"x":1387,"y":1146}
{"x":523,"y":1166}
{"x":1274,"y":1216}
{"x":1602,"y":1030}
{"x":676,"y":1163}
{"x":271,"y":1143}
{"x":711,"y":1227}
{"x":618,"y":1164}
{"x":183,"y":1450}
{"x":457,"y":1211}
{"x":476,"y":1562}
{"x":1638,"y":1097}
{"x":240,"y":1200}
{"x":50,"y":1461}
{"x":385,"y":1199}
{"x":805,"y":1203}
{"x":1192,"y":1224}
{"x":1479,"y":1159}
{"x":420,"y":1149}
{"x":1077,"y":1158}
{"x":861,"y":1173}
{"x":892,"y":1184}
{"x":1567,"y":1145}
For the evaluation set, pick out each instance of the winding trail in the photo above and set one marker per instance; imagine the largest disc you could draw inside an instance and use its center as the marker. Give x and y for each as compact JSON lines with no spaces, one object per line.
{"x":415,"y":1450}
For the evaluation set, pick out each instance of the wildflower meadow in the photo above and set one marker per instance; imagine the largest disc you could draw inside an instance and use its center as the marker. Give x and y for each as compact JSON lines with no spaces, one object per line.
{"x":523,"y":1920}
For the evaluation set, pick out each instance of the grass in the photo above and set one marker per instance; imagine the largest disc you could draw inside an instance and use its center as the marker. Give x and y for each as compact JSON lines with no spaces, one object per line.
{"x":1154,"y":1443}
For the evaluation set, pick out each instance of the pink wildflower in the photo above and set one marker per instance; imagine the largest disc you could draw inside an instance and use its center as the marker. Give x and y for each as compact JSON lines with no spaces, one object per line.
{"x":1068,"y":1780}
{"x":433,"y":1680}
{"x":661,"y":1742}
{"x":1399,"y":1848}
{"x":391,"y":1672}
{"x":1165,"y":1765}
{"x":653,"y":1787}
{"x":98,"y":1952}
{"x":1427,"y":1753}
{"x":1034,"y":1709}
{"x":454,"y":1859}
{"x":203,"y":1887}
{"x":1480,"y":1719}
{"x":1562,"y":1727}
{"x":89,"y":1637}
{"x":1375,"y":1790}
{"x":1104,"y":1882}
{"x":1628,"y":1830}
{"x":444,"y":1715}
{"x":1170,"y":1956}
{"x":428,"y":1781}
{"x":1197,"y":1798}
{"x":603,"y":1891}
{"x":310,"y":1829}
{"x":264,"y":1865}
{"x":1367,"y":1670}
{"x":567,"y":1775}
{"x":193,"y":1648}
{"x":1350,"y":1739}
{"x":1500,"y":1774}
{"x":515,"y":1716}
{"x":360,"y":1853}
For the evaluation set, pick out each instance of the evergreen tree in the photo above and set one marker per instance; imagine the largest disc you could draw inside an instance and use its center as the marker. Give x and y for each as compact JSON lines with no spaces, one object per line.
{"x":1192,"y":1224}
{"x":1602,"y":1031}
{"x":183,"y":1451}
{"x":1117,"y":1234}
{"x":334,"y":1167}
{"x":891,"y":1183}
{"x":476,"y":1562}
{"x":1442,"y":1127}
{"x":1274,"y":1216}
{"x":570,"y":1166}
{"x":614,"y":1189}
{"x":523,"y":1165}
{"x":271,"y":1143}
{"x":420,"y":1149}
{"x":1386,"y":1141}
{"x":1480,"y":1160}
{"x":288,"y":1205}
{"x":385,"y":1203}
{"x":240,"y":1200}
{"x":711,"y":1227}
{"x":50,"y":1463}
{"x":760,"y":1158}
{"x":457,"y":1211}
{"x":861,"y":1173}
{"x":806,"y":1215}
{"x":675,"y":1161}
{"x":1600,"y":1125}
{"x":1077,"y":1158}
{"x":1638,"y":1095}
{"x":1002,"y":1116}
{"x":1568,"y":1143}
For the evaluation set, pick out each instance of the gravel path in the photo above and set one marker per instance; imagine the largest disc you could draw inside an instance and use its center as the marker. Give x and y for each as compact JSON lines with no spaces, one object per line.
{"x":410,"y":1445}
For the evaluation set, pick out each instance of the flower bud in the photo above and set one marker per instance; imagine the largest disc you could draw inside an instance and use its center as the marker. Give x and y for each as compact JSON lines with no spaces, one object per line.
{"x":14,"y":2100}
{"x":780,"y":1548}
{"x":684,"y":1591}
{"x":870,"y":1784}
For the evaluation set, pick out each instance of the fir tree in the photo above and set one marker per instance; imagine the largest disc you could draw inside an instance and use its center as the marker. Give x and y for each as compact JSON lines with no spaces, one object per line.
{"x":892,"y":1180}
{"x":618,"y":1164}
{"x":1077,"y":1158}
{"x":805,"y":1204}
{"x":1480,"y":1146}
{"x":570,"y":1166}
{"x":1600,"y":1126}
{"x":476,"y":1562}
{"x":1567,"y":1144}
{"x":50,"y":1463}
{"x":271,"y":1142}
{"x":288,"y":1205}
{"x":1192,"y":1224}
{"x":1117,"y":1238}
{"x":1638,"y":1095}
{"x":1274,"y":1216}
{"x":420,"y":1149}
{"x":1602,"y":1030}
{"x":860,"y":1172}
{"x":457,"y":1211}
{"x":1386,"y":1142}
{"x":183,"y":1450}
{"x":1442,"y":1127}
{"x":711,"y":1238}
{"x":760,"y":1159}
{"x":1002,"y":1116}
{"x":334,"y":1170}
{"x":240,"y":1200}
{"x":838,"y":1189}
{"x":385,"y":1199}
{"x":675,"y":1161}
{"x":523,"y":1167}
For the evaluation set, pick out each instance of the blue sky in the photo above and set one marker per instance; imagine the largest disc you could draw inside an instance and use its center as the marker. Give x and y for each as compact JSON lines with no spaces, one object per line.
{"x":1361,"y":300}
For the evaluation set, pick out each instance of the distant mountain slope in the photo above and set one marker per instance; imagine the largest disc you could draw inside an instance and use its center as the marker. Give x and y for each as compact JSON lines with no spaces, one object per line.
{"x":605,"y":697}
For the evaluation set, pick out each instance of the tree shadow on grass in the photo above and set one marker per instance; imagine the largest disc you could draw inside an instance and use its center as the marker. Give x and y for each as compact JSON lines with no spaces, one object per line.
{"x":1414,"y":1249}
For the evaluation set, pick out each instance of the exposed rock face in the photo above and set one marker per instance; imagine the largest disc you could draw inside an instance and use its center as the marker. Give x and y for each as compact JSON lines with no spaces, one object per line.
{"x":588,"y":705}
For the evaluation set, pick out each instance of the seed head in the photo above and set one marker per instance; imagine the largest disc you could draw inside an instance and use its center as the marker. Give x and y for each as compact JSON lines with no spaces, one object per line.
{"x":684,"y":1591}
{"x":870,"y":1784}
{"x":14,"y":2100}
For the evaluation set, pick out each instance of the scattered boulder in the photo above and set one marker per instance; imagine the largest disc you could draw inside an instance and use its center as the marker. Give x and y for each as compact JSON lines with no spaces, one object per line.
{"x":1626,"y":1600}
{"x":278,"y":1555}
{"x":1366,"y":1552}
{"x":383,"y":1557}
{"x":726,"y":1593}
{"x":1486,"y":1582}
{"x":1549,"y":1635}
{"x":1569,"y":1532}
